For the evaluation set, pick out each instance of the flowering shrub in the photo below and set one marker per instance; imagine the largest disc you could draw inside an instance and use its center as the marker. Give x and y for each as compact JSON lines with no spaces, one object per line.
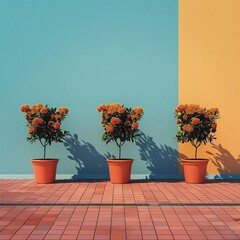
{"x":120,"y":123}
{"x":195,"y":124}
{"x":44,"y":124}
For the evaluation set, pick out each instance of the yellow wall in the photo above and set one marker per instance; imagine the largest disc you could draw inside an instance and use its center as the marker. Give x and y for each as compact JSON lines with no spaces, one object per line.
{"x":209,"y":74}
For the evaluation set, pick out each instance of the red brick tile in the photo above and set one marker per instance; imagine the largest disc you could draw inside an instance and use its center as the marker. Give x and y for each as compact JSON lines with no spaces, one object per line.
{"x":69,"y":237}
{"x":150,"y":236}
{"x":53,"y":237}
{"x":19,"y":237}
{"x":165,"y":237}
{"x":230,"y":237}
{"x":182,"y":237}
{"x":55,"y":231}
{"x":215,"y":237}
{"x":40,"y":232}
{"x":85,"y":237}
{"x":8,"y":231}
{"x":36,"y":237}
{"x":197,"y":236}
{"x":102,"y":237}
{"x":86,"y":232}
{"x":134,"y":236}
{"x":71,"y":231}
{"x":102,"y":231}
{"x":5,"y":237}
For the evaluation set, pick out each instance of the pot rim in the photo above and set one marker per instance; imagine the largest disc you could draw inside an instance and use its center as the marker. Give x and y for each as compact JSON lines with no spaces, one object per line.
{"x":195,"y":160}
{"x":120,"y":159}
{"x":45,"y":159}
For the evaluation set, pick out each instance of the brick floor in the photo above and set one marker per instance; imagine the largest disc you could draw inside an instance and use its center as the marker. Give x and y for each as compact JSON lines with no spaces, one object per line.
{"x":101,"y":210}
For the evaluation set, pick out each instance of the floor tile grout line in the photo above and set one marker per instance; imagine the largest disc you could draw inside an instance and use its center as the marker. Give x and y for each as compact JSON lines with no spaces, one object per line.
{"x":121,"y":204}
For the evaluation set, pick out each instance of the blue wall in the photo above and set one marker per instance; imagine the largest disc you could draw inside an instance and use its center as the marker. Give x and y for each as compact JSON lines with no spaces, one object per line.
{"x":80,"y":54}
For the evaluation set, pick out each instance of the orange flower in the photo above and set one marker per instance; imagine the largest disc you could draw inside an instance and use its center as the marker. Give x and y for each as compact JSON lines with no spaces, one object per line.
{"x":116,"y":106}
{"x":57,"y":116}
{"x":112,"y":108}
{"x":191,"y":108}
{"x":201,"y":110}
{"x":37,"y":121}
{"x":109,"y":128}
{"x":110,"y":111}
{"x":101,"y":108}
{"x":106,"y":116}
{"x":115,"y":121}
{"x":212,"y":110}
{"x":56,"y":125}
{"x":181,"y":108}
{"x":178,"y":121}
{"x":188,"y":128}
{"x":34,"y":110}
{"x":135,"y":116}
{"x":135,"y":125}
{"x":214,"y":126}
{"x":40,"y":106}
{"x":25,"y":108}
{"x":43,"y":110}
{"x":209,"y":116}
{"x":28,"y":117}
{"x":195,"y":121}
{"x":63,"y":110}
{"x":32,"y":129}
{"x":50,"y":122}
{"x":138,"y":110}
{"x":185,"y":117}
{"x":122,"y":110}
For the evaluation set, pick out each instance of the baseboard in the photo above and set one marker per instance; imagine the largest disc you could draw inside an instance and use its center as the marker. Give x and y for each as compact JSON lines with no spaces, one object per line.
{"x":133,"y":176}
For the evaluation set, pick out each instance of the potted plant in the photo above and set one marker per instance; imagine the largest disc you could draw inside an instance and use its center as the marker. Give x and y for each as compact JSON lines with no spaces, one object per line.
{"x":196,"y":125}
{"x":44,"y":125}
{"x":120,"y":125}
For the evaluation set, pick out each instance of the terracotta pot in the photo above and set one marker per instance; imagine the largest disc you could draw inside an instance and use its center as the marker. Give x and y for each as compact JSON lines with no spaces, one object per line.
{"x":194,"y":170}
{"x":120,"y":170}
{"x":44,"y":170}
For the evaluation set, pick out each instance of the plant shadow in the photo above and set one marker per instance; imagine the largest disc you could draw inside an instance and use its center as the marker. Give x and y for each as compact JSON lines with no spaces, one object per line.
{"x":224,"y":161}
{"x":161,"y":160}
{"x":90,"y":163}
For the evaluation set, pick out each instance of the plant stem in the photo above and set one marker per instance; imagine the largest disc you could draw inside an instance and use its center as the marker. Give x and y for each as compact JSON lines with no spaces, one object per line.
{"x":44,"y":151}
{"x":196,"y":144}
{"x":119,"y":144}
{"x":119,"y":153}
{"x":44,"y":148}
{"x":196,"y":152}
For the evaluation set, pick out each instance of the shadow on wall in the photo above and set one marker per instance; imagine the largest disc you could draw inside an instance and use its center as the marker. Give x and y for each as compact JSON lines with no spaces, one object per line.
{"x":160,"y":160}
{"x":225,"y":162}
{"x":89,"y":161}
